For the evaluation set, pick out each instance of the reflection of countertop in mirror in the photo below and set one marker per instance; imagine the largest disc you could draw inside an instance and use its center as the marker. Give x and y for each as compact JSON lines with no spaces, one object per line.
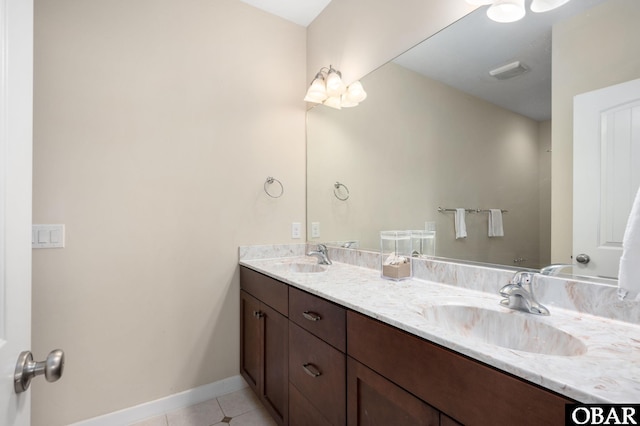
{"x":609,"y":370}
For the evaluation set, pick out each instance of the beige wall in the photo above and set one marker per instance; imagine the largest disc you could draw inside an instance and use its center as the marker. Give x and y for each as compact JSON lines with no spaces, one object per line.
{"x":156,"y":125}
{"x":154,"y":132}
{"x":358,"y":36}
{"x":591,"y":51}
{"x":414,"y":145}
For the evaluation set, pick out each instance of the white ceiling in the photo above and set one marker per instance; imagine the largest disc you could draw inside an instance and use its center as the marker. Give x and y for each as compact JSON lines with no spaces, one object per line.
{"x":462,"y":54}
{"x":301,"y":12}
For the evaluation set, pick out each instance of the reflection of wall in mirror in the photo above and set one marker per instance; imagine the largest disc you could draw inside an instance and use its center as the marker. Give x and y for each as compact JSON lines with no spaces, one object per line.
{"x":415,"y":145}
{"x":593,"y":50}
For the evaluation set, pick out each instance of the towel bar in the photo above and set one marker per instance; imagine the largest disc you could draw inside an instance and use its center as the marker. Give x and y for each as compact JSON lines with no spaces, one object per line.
{"x":442,"y":210}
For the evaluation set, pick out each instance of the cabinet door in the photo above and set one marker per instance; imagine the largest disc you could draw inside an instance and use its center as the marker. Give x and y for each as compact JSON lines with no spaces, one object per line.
{"x":373,"y":400}
{"x":302,"y":412}
{"x":250,"y":340}
{"x":276,"y":376}
{"x":264,"y":343}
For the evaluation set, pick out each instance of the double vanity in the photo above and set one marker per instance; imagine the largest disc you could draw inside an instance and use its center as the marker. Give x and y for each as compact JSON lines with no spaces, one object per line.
{"x":337,"y":344}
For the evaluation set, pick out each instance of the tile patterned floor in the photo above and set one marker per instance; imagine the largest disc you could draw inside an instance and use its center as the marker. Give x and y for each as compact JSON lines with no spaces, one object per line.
{"x":240,"y":408}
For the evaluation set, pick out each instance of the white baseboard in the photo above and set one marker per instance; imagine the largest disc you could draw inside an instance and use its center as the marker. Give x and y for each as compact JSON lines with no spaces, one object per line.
{"x":167,"y":404}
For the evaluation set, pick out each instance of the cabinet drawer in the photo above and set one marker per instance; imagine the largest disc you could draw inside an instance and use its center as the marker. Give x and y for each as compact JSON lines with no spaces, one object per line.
{"x":266,"y":289}
{"x":318,"y":371}
{"x":464,"y":389}
{"x":321,"y":317}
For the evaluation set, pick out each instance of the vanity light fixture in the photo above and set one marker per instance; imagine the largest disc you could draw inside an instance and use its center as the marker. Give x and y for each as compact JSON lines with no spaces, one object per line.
{"x":514,"y":10}
{"x":335,"y":86}
{"x":317,"y":92}
{"x":327,"y":88}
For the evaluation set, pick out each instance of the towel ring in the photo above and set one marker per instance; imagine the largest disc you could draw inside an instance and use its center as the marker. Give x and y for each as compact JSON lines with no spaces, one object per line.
{"x":270,"y":181}
{"x":336,"y":189}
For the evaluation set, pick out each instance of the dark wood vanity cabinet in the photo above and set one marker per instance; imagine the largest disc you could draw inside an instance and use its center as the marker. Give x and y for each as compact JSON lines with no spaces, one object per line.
{"x":264,"y":341}
{"x":315,"y":363}
{"x":292,"y":351}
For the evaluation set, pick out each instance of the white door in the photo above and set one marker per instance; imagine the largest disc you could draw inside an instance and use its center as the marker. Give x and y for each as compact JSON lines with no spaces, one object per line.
{"x":606,"y":173}
{"x":16,"y":64}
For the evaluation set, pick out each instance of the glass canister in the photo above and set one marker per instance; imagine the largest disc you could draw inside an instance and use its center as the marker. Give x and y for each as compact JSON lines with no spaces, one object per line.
{"x":395,"y":251}
{"x":423,"y":243}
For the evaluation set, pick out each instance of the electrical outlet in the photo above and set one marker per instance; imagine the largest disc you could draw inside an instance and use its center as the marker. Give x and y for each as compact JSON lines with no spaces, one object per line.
{"x":315,"y":229}
{"x":296,"y":230}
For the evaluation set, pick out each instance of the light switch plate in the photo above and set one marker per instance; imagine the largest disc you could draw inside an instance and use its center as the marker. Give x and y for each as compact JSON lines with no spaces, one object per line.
{"x":47,"y":236}
{"x":315,"y":229}
{"x":296,"y":230}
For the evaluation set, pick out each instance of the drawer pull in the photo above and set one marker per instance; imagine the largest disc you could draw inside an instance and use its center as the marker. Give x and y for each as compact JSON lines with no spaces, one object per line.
{"x":258,"y":314}
{"x":311,"y":316}
{"x":311,"y":370}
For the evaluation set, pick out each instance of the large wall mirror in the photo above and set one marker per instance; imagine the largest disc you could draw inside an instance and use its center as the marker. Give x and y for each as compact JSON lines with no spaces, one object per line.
{"x":439,"y":131}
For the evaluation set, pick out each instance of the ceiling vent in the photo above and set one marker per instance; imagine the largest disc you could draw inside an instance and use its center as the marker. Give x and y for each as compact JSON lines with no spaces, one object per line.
{"x":508,"y":71}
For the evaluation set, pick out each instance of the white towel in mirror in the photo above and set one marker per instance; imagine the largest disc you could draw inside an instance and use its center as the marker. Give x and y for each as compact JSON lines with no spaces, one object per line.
{"x":495,"y":223}
{"x":629,"y":271}
{"x":460,"y":224}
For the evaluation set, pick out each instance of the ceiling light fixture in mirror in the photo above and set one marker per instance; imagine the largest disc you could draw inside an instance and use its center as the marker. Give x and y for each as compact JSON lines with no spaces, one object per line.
{"x":513,"y":10}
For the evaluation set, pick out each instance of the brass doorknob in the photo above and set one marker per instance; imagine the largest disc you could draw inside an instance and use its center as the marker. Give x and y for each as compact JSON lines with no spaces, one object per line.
{"x":27,"y":369}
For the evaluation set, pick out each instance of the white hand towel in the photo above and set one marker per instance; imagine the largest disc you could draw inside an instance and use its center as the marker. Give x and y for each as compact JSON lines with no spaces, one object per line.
{"x":495,"y":223}
{"x":460,"y":224}
{"x":629,"y":272}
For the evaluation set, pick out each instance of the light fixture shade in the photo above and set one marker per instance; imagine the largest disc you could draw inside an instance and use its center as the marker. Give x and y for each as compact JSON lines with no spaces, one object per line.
{"x":355,"y":93}
{"x":479,"y":2}
{"x":506,"y":10}
{"x":540,"y":6}
{"x":333,"y":102}
{"x":345,"y":102}
{"x":317,"y":92}
{"x":335,"y":86}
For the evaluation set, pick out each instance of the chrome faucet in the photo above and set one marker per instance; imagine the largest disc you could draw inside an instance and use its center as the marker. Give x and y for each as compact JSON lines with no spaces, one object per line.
{"x":518,"y":294}
{"x":349,"y":244}
{"x":322,"y":253}
{"x":554,"y":269}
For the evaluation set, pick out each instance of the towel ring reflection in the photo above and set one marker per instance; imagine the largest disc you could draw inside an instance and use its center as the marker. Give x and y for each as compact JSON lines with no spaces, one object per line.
{"x":270,"y":181}
{"x":336,"y":190}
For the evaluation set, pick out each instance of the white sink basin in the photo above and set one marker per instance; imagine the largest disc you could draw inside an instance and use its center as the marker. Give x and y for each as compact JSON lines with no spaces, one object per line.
{"x":507,"y":329}
{"x":306,"y":268}
{"x":302,"y":265}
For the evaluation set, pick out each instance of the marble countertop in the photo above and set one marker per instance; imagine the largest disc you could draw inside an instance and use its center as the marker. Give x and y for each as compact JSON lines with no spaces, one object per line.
{"x":607,"y":372}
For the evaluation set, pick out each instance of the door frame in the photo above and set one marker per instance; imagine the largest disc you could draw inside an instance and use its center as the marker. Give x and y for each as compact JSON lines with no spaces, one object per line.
{"x":16,"y":145}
